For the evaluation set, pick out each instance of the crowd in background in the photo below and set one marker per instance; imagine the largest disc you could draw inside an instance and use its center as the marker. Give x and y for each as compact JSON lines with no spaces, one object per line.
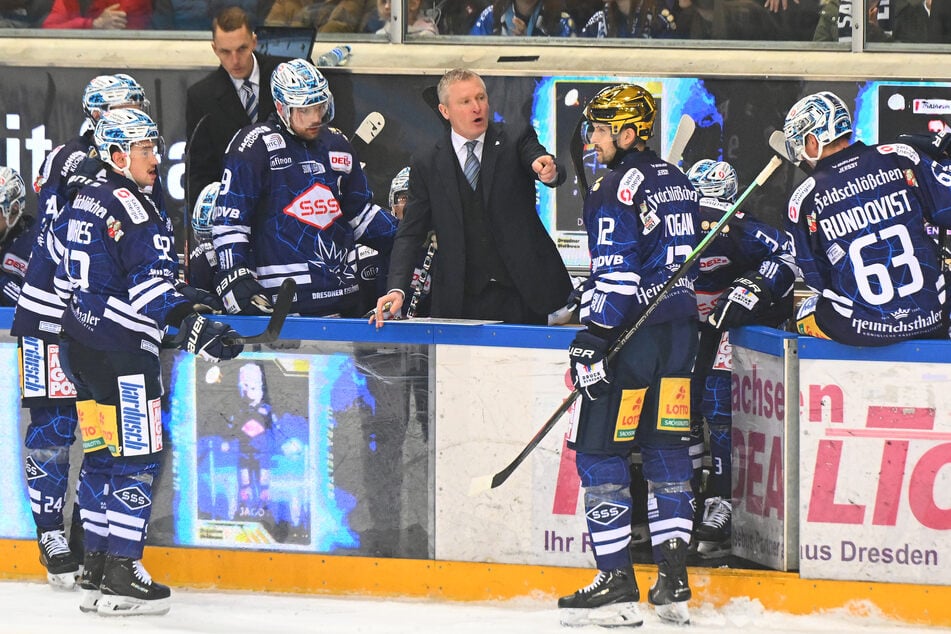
{"x":915,"y":21}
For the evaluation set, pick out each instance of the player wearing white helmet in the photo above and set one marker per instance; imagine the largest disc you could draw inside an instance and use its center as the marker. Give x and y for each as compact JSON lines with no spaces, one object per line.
{"x":746,"y":276}
{"x":117,"y":278}
{"x":858,"y":224}
{"x":294,"y":202}
{"x":36,"y":323}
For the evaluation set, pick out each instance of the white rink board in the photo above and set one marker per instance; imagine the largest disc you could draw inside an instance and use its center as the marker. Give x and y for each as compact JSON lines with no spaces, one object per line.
{"x":875,"y":442}
{"x":490,"y":401}
{"x":765,"y":486}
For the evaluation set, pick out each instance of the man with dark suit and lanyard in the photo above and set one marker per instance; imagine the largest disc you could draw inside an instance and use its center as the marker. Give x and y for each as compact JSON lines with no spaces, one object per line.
{"x":476,"y":189}
{"x":223,"y":96}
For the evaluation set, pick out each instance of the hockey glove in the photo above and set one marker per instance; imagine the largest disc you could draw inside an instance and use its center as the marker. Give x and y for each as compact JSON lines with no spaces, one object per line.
{"x":740,"y":304}
{"x":937,"y":146}
{"x":200,"y":297}
{"x":589,"y":370}
{"x":568,"y":312}
{"x":241,"y":293}
{"x":204,"y":337}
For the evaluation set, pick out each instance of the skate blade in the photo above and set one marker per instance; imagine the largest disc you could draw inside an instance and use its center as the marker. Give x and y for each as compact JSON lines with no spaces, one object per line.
{"x":675,"y":613}
{"x":89,"y":601}
{"x":711,"y":550}
{"x":613,"y":615}
{"x":63,"y":580}
{"x":112,"y":605}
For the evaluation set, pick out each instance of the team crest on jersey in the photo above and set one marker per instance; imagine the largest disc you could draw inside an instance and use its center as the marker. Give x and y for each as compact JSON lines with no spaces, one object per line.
{"x":135,"y":209}
{"x":114,"y":228}
{"x":629,"y":185}
{"x":341,"y":161}
{"x":316,"y":206}
{"x":274,"y":142}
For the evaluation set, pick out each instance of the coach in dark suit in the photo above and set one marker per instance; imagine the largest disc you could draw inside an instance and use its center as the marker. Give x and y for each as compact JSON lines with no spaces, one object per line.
{"x":475,"y":188}
{"x":216,"y":105}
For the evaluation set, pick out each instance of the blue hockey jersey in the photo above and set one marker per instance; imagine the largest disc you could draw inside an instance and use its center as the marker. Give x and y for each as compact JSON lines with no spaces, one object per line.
{"x":742,"y":246}
{"x":39,"y":310}
{"x":119,"y":267}
{"x":858,"y":226}
{"x":642,"y":223}
{"x":295,"y":208}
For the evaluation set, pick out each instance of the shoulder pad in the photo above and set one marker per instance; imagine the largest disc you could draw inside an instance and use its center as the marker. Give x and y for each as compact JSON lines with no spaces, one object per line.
{"x":795,"y":201}
{"x":630,"y":183}
{"x":901,"y":149}
{"x":133,"y":206}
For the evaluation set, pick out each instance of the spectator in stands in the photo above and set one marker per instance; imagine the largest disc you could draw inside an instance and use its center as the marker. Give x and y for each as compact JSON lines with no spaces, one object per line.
{"x":416,"y":23}
{"x":196,"y":15}
{"x":633,"y":19}
{"x":331,"y":16}
{"x":835,"y":21}
{"x":541,"y":18}
{"x":922,"y":21}
{"x":99,"y":14}
{"x":23,"y":14}
{"x":726,"y":20}
{"x":456,"y":17}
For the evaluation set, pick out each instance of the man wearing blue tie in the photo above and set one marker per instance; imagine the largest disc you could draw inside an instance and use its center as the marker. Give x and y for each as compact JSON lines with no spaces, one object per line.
{"x":236,"y":94}
{"x":475,"y":187}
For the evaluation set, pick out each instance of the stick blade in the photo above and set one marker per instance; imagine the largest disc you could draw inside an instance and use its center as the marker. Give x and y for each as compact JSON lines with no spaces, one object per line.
{"x":685,"y":129}
{"x":480,"y":484}
{"x":282,"y":306}
{"x":371,"y":127}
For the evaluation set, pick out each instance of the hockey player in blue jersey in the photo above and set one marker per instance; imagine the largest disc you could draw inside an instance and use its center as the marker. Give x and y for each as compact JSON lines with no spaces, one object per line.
{"x":293,"y":202}
{"x":15,"y":235}
{"x":36,"y":323}
{"x":642,"y":223}
{"x":203,"y":261}
{"x":117,"y":278}
{"x":746,"y":277}
{"x":858,"y":227}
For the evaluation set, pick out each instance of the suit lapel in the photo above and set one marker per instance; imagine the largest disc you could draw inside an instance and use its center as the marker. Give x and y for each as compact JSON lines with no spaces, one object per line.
{"x":493,"y":143}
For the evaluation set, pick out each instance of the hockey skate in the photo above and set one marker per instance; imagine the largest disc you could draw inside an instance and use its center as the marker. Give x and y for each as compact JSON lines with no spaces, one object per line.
{"x":610,"y":601}
{"x":713,"y":534}
{"x":128,"y":589}
{"x":672,"y":590}
{"x":89,"y":582}
{"x":62,"y":566}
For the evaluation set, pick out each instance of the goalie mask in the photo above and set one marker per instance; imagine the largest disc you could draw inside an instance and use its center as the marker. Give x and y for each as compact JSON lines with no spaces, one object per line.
{"x":823,"y":115}
{"x":714,"y":179}
{"x":298,"y":84}
{"x":106,"y":92}
{"x":118,"y":130}
{"x":12,"y":198}
{"x":204,"y":211}
{"x":619,"y":106}
{"x":399,"y":185}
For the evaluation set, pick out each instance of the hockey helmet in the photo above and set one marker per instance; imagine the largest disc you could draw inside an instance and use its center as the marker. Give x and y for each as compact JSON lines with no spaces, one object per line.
{"x":298,"y":84}
{"x":110,"y":91}
{"x":400,"y":184}
{"x":122,"y":128}
{"x":203,"y":213}
{"x":12,"y":195}
{"x":714,"y":179}
{"x":823,"y":115}
{"x":622,"y":105}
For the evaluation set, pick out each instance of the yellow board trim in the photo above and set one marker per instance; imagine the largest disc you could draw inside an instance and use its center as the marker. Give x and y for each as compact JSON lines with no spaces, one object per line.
{"x":464,"y":581}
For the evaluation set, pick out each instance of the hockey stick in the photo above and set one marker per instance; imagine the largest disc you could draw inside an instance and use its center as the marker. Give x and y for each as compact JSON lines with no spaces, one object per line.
{"x":484,"y":483}
{"x":685,"y":130}
{"x":282,"y":306}
{"x":576,"y":152}
{"x":369,"y":128}
{"x":423,"y":276}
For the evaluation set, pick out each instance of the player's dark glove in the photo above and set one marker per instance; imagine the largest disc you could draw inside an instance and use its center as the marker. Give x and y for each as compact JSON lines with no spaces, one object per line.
{"x":201,"y":297}
{"x":937,"y":146}
{"x":207,"y":338}
{"x":241,"y":293}
{"x":589,"y":370}
{"x":739,"y":305}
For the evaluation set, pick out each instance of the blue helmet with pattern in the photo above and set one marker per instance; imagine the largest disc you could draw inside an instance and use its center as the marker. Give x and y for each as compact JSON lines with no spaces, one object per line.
{"x":823,"y":115}
{"x":298,"y":84}
{"x":714,"y":179}
{"x":119,"y":130}
{"x":399,"y":184}
{"x":12,"y":195}
{"x":106,"y":92}
{"x":203,"y":213}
